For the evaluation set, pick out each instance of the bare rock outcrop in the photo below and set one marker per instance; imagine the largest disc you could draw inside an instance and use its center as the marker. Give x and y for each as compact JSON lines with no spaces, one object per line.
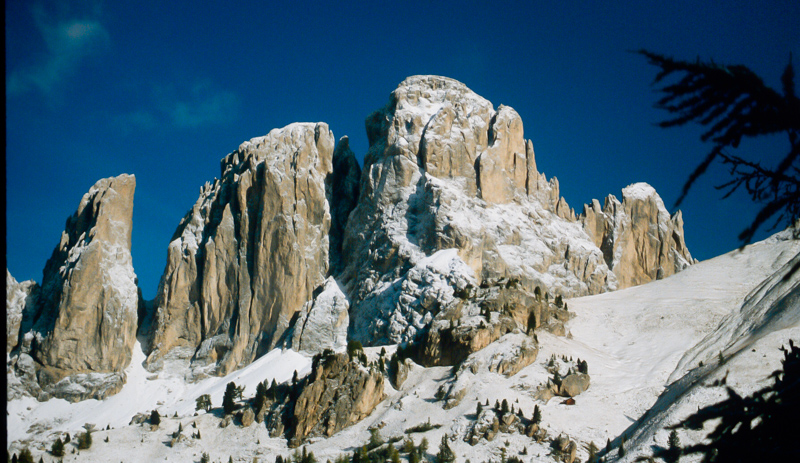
{"x":507,"y":356}
{"x":322,"y":322}
{"x":252,"y":250}
{"x":447,"y":171}
{"x":574,"y":384}
{"x":82,"y":331}
{"x":640,"y":241}
{"x":248,"y":416}
{"x":447,"y":344}
{"x":483,"y":315}
{"x":492,"y":421}
{"x":20,"y":300}
{"x":338,"y":393}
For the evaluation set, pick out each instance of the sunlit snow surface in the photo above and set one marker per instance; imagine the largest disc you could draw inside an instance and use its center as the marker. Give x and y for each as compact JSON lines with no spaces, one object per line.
{"x":168,"y":395}
{"x":636,"y":341}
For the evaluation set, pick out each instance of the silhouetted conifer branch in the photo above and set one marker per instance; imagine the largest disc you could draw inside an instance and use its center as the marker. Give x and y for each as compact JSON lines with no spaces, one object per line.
{"x":733,"y":103}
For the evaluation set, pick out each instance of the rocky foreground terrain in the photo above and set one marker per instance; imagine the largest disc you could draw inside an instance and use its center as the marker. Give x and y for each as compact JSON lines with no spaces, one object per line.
{"x":442,"y":290}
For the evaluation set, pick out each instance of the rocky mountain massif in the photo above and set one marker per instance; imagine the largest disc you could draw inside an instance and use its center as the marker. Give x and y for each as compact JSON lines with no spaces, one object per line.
{"x":450,"y":240}
{"x":645,"y":361}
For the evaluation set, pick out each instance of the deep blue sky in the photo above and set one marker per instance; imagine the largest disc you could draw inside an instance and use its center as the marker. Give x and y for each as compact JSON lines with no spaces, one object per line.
{"x":164,"y":90}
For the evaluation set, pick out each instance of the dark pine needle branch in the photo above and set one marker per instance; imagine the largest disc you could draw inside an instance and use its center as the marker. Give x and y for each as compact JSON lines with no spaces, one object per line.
{"x":733,"y":103}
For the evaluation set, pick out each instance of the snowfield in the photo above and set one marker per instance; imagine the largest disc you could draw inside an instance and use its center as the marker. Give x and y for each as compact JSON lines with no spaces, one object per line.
{"x":644,"y":347}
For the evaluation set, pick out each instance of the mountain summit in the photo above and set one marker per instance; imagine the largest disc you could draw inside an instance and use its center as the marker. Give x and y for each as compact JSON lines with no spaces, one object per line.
{"x":446,"y":170}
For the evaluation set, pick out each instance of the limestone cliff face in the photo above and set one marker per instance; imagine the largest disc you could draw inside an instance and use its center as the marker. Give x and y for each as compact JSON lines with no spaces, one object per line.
{"x":251,"y":251}
{"x":85,"y":320}
{"x":640,"y":241}
{"x":446,"y":170}
{"x":20,"y":300}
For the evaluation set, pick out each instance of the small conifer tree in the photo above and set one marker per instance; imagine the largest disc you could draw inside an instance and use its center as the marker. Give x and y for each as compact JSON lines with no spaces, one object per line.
{"x":85,"y":440}
{"x":674,"y":450}
{"x":592,"y":449}
{"x":423,"y":446}
{"x":583,"y":367}
{"x":393,"y":453}
{"x":375,"y":439}
{"x":261,"y":395}
{"x":57,"y":450}
{"x":227,"y":400}
{"x":155,"y":418}
{"x":504,"y":407}
{"x":203,"y":403}
{"x":354,"y":348}
{"x":25,"y":456}
{"x":537,"y":415}
{"x":360,"y":455}
{"x":446,"y":454}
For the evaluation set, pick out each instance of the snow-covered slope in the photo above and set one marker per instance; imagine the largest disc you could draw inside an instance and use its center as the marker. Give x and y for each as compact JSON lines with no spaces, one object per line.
{"x":637,"y":341}
{"x":143,"y":392}
{"x":643,"y":346}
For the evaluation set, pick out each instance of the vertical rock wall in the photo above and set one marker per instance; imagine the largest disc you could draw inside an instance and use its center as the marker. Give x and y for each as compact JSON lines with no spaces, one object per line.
{"x":81,"y":334}
{"x":252,"y":250}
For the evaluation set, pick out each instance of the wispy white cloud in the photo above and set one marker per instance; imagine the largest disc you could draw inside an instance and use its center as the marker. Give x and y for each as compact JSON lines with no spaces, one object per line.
{"x":205,"y":106}
{"x":136,"y":121}
{"x":201,"y":105}
{"x":68,"y":42}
